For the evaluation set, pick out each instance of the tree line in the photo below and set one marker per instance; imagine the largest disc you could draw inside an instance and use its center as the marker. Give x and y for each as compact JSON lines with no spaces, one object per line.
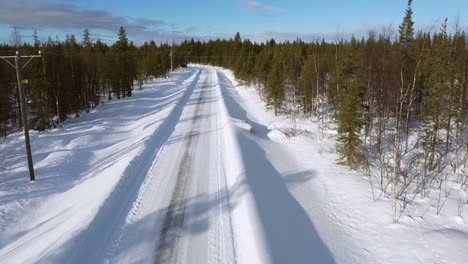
{"x":73,"y":76}
{"x":398,"y":99}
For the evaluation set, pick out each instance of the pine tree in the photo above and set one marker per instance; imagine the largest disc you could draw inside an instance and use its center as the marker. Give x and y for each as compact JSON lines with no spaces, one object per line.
{"x":87,"y":42}
{"x":39,"y":98}
{"x":5,"y":103}
{"x":349,"y":119}
{"x":275,"y":84}
{"x":439,"y":98}
{"x":409,"y":67}
{"x":306,"y":85}
{"x":406,"y":29}
{"x":124,"y":72}
{"x":461,"y":74}
{"x":88,"y":69}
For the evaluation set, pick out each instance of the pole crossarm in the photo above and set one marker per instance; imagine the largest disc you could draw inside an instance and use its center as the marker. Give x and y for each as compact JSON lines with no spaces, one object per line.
{"x":30,"y":59}
{"x":5,"y":59}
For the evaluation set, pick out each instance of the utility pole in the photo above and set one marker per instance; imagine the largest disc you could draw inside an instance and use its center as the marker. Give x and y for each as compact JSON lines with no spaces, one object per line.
{"x":24,"y":118}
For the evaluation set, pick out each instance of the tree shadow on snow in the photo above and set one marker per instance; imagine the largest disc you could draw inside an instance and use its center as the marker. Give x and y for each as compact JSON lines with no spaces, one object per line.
{"x":290,"y":234}
{"x":288,"y":230}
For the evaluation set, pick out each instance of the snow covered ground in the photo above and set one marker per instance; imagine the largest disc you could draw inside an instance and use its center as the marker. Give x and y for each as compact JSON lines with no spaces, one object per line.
{"x":193,"y":169}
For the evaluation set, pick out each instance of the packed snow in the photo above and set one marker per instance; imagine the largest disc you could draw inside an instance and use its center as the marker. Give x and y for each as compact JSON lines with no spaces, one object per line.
{"x":194,"y":169}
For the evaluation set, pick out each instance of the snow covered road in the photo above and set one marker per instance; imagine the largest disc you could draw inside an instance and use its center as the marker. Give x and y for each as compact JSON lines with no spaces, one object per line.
{"x":192,"y":169}
{"x":216,"y":198}
{"x":172,"y":175}
{"x":178,"y":218}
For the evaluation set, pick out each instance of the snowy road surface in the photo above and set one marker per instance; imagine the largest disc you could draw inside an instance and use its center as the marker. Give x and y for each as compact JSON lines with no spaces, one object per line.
{"x":183,"y":211}
{"x":192,"y":169}
{"x":192,"y":210}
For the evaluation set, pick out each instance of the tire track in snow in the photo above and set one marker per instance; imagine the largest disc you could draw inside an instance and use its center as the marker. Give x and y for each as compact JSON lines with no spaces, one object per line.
{"x":174,"y":219}
{"x":225,"y":192}
{"x":173,"y":225}
{"x":227,"y":244}
{"x":97,"y":242}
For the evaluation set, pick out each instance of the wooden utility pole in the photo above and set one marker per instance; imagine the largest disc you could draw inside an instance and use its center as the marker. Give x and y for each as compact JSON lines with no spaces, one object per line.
{"x":24,"y":118}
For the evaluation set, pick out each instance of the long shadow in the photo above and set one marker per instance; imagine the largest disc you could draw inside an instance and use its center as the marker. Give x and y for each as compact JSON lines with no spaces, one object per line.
{"x":290,"y":234}
{"x":80,"y":167}
{"x":61,"y":164}
{"x":143,"y":231}
{"x":101,"y":230}
{"x":59,"y":174}
{"x":236,"y":111}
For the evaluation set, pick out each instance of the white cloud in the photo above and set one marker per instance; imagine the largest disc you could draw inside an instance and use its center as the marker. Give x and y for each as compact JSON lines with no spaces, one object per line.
{"x":31,"y":14}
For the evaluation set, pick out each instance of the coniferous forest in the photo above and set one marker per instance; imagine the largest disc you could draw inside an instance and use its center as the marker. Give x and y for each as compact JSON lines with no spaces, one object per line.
{"x":72,"y":76}
{"x":398,"y":98}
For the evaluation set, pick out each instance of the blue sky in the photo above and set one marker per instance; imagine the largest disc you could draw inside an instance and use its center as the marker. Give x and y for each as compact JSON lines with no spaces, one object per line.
{"x":179,"y":19}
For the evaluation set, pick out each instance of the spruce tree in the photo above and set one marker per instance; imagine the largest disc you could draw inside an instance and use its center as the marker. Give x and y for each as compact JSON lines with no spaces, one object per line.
{"x":121,"y":73}
{"x":349,"y":118}
{"x":5,"y":102}
{"x":439,"y":99}
{"x":306,"y":84}
{"x":275,"y":84}
{"x":406,"y":29}
{"x":39,"y":106}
